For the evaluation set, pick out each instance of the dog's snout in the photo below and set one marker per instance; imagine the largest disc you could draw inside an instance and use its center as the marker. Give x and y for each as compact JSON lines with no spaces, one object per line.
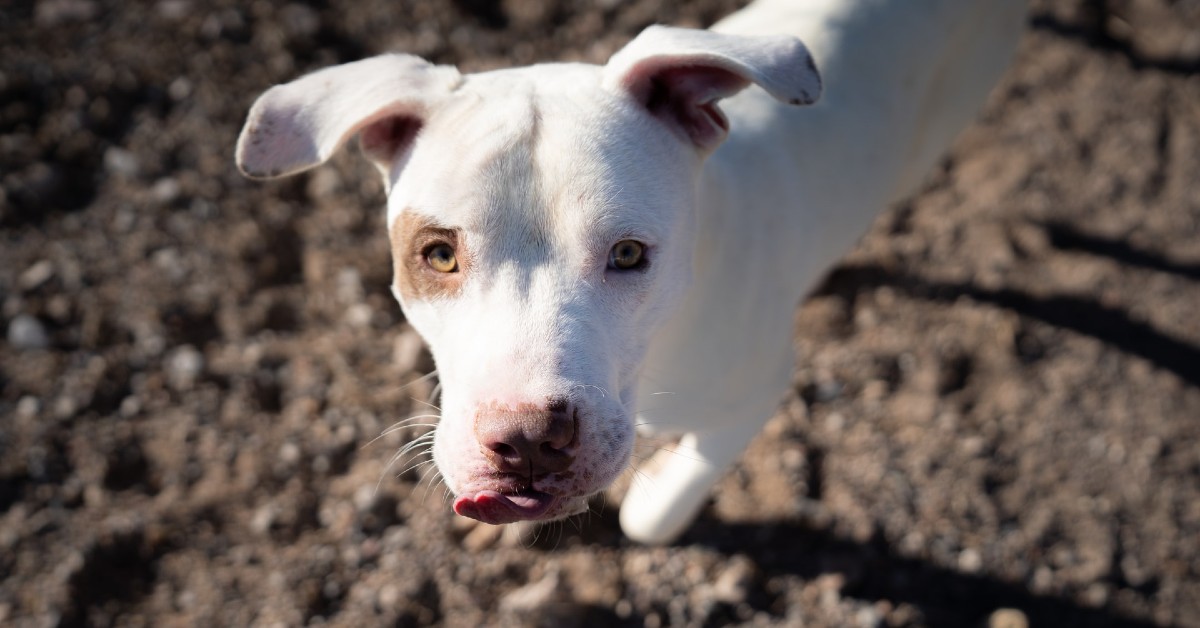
{"x":528,"y":440}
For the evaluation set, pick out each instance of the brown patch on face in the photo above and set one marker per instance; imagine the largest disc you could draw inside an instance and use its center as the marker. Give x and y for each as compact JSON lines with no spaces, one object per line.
{"x":412,"y":235}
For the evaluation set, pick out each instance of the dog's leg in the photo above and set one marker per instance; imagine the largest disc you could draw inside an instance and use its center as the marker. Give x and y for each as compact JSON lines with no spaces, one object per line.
{"x":668,"y":491}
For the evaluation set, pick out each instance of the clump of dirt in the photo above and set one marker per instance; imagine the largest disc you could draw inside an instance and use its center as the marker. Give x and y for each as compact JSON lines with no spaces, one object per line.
{"x":995,"y":403}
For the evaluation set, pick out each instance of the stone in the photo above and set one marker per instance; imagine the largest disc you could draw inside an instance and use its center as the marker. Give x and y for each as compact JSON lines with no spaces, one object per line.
{"x":183,"y":367}
{"x":34,"y":276}
{"x":732,"y":586}
{"x":165,"y":190}
{"x":534,"y":596}
{"x":121,"y":162}
{"x":1007,"y":618}
{"x":27,"y":332}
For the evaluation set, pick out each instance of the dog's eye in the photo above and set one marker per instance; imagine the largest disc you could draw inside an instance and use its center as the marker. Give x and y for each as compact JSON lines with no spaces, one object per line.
{"x":627,"y":255}
{"x":441,"y":258}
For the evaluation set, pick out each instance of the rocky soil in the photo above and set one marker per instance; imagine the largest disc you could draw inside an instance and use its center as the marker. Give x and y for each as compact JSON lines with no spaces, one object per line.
{"x":996,"y":410}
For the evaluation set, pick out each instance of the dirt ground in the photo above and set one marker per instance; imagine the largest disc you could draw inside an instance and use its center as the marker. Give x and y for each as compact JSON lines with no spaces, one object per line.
{"x":996,"y":402}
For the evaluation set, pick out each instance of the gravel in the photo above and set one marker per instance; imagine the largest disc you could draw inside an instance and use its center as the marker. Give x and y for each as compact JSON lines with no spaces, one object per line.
{"x":992,"y":423}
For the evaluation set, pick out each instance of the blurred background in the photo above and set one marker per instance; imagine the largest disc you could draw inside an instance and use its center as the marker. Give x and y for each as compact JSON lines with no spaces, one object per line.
{"x":996,"y":411}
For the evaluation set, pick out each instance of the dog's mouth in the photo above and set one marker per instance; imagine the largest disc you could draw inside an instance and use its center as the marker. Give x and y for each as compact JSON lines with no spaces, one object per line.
{"x":496,"y":508}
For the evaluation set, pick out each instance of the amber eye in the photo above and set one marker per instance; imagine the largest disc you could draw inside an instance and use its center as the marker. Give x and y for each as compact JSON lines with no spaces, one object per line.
{"x":627,"y":255}
{"x":441,"y":258}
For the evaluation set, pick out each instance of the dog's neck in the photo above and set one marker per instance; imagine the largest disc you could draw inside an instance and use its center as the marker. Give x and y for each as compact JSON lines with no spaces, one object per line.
{"x":795,"y":188}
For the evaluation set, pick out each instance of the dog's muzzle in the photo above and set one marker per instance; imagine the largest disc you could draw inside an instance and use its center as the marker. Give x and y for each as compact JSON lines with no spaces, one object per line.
{"x":523,"y":446}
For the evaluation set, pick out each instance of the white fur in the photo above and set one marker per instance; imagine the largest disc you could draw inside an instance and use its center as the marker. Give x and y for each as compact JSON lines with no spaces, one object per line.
{"x":545,"y":168}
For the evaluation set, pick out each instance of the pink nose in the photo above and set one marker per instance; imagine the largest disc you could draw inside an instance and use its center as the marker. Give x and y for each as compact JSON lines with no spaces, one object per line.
{"x":528,"y":439}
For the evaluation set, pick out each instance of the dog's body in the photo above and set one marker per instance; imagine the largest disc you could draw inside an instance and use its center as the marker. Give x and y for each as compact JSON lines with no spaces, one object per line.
{"x":574,"y":240}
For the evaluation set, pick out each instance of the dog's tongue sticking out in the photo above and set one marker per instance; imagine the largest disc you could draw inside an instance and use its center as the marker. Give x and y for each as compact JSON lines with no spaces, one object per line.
{"x":495,"y":508}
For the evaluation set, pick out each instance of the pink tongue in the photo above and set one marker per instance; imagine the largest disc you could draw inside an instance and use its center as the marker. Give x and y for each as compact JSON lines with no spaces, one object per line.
{"x":525,"y":502}
{"x":494,"y":508}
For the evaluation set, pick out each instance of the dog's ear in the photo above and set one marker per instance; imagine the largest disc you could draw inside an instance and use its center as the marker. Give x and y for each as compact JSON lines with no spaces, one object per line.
{"x":299,"y":125}
{"x":679,"y":74}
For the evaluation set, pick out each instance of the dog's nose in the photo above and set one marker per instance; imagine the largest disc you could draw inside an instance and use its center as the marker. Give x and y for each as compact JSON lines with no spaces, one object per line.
{"x":529,"y":439}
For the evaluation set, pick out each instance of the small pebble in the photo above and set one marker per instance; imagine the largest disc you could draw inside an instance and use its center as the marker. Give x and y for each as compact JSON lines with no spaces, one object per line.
{"x":36,"y":275}
{"x":165,"y":190}
{"x":65,"y":407}
{"x":349,"y":286}
{"x":121,"y":162}
{"x":868,"y":617}
{"x":364,"y":498}
{"x":49,"y":13}
{"x":827,"y":390}
{"x":300,"y":21}
{"x":532,"y":597}
{"x":289,"y":453}
{"x":388,"y":596}
{"x":130,"y":406}
{"x":28,"y":407}
{"x":481,"y":537}
{"x":27,"y":332}
{"x":1007,"y":618}
{"x":263,"y":518}
{"x":358,"y":315}
{"x":184,"y":366}
{"x":324,"y":183}
{"x":174,"y":9}
{"x":970,"y":561}
{"x":733,"y":584}
{"x":179,"y":89}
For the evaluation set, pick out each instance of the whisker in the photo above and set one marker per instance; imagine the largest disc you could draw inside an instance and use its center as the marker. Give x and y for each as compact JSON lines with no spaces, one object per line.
{"x":435,"y":479}
{"x":418,"y":416}
{"x":426,"y":403}
{"x":424,"y":439}
{"x":417,"y":443}
{"x":409,"y":421}
{"x":696,"y":458}
{"x":414,"y":466}
{"x":644,"y":480}
{"x":426,"y":377}
{"x":386,"y":468}
{"x":632,"y":472}
{"x":676,"y":451}
{"x":425,"y":494}
{"x":401,"y":425}
{"x":404,"y":450}
{"x":602,"y":391}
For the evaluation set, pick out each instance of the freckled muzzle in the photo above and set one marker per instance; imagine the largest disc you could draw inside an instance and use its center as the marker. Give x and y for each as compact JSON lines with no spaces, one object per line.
{"x":524,"y":445}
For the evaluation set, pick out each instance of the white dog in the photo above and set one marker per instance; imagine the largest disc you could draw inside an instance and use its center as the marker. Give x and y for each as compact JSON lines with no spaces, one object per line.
{"x":572,"y":239}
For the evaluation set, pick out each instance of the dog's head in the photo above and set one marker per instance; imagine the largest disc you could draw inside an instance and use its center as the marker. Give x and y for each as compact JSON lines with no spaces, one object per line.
{"x":541,"y":222}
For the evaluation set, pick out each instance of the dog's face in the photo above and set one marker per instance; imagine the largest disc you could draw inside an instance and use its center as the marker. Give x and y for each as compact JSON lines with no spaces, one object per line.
{"x":540,"y":230}
{"x":541,"y":223}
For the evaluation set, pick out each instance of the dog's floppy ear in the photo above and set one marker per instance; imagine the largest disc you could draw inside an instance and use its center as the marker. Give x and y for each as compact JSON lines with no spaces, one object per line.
{"x":299,"y":125}
{"x":679,"y":74}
